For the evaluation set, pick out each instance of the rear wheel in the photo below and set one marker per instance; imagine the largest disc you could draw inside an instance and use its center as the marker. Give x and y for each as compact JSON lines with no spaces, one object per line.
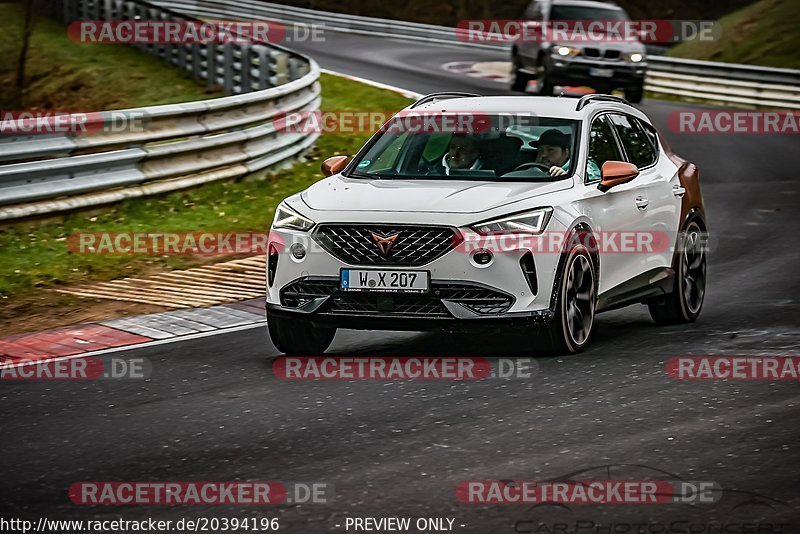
{"x":573,"y":322}
{"x":684,"y":303}
{"x":297,"y":337}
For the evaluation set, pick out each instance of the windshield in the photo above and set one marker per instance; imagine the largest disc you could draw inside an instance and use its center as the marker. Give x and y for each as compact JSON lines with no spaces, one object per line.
{"x":475,"y":146}
{"x":569,"y":13}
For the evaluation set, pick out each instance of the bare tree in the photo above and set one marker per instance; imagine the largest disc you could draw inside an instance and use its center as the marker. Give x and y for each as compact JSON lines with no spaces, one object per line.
{"x":27,"y":30}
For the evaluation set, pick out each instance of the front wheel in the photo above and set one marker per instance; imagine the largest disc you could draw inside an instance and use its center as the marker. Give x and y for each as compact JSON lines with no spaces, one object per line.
{"x":297,"y":337}
{"x":520,"y":82}
{"x":544,"y":85}
{"x":634,"y":93}
{"x":573,"y":321}
{"x":684,"y":303}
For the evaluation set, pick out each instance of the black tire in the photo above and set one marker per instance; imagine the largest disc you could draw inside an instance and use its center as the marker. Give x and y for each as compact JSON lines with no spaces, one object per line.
{"x":543,"y":84}
{"x":520,"y":81}
{"x":634,"y":93}
{"x":576,"y":300}
{"x":298,"y":338}
{"x":684,"y":303}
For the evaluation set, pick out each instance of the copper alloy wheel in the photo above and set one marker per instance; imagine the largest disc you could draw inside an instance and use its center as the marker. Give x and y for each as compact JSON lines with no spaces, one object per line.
{"x":693,"y":270}
{"x":579,"y":299}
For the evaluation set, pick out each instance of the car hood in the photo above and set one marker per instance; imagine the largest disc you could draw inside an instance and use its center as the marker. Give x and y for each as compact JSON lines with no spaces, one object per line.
{"x":339,"y":193}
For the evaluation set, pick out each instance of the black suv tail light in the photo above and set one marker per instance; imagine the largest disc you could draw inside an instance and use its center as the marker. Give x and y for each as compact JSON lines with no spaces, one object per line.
{"x":529,"y":271}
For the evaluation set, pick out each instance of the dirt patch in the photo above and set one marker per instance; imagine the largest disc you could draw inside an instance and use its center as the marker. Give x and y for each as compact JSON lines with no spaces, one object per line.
{"x":49,"y":310}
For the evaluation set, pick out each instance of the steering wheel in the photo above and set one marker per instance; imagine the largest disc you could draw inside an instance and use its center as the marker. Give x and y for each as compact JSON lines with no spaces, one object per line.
{"x":528,"y":165}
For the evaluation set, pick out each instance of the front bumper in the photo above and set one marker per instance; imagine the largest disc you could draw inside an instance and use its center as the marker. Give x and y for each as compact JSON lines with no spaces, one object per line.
{"x":393,"y":322}
{"x":572,"y":71}
{"x":463,"y":294}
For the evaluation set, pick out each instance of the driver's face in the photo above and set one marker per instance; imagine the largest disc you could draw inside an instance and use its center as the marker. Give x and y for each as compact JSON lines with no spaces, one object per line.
{"x":552,"y":155}
{"x":462,"y":153}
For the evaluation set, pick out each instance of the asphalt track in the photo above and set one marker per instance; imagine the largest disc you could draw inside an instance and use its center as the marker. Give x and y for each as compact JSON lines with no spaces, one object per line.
{"x":214,"y":411}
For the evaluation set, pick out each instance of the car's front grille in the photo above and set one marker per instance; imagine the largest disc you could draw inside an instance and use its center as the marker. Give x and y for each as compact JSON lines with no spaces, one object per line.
{"x":479,"y":299}
{"x":596,"y":53}
{"x":385,"y":245}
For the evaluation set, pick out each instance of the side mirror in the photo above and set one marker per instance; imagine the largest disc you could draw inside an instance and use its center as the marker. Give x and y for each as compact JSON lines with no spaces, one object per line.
{"x":615,"y":173}
{"x":334,"y":165}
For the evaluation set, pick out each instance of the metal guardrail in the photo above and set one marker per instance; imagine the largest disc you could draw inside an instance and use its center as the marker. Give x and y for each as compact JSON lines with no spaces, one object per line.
{"x":724,"y":83}
{"x":180,"y":145}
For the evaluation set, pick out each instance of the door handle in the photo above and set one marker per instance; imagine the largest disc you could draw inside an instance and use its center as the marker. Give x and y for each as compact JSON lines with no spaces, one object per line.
{"x":678,"y":190}
{"x":642,"y":203}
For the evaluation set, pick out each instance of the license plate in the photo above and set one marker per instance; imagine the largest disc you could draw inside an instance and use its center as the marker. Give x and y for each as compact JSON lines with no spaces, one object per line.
{"x":388,"y":281}
{"x":602,"y":73}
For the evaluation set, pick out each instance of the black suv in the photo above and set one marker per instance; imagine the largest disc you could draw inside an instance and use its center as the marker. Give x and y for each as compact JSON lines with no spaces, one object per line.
{"x":604,"y":65}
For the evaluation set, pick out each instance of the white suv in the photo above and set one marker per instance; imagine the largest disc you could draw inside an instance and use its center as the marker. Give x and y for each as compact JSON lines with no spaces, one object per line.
{"x":466,"y":211}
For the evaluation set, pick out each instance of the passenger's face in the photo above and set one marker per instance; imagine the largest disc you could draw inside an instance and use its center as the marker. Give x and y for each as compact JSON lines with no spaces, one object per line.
{"x":462,"y":153}
{"x":552,"y":155}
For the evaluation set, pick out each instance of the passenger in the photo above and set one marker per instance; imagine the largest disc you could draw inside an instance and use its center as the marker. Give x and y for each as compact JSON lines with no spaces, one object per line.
{"x":461,"y":154}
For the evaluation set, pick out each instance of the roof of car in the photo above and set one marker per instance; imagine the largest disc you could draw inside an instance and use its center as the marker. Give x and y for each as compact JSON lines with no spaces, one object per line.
{"x":585,"y":3}
{"x":546,"y":106}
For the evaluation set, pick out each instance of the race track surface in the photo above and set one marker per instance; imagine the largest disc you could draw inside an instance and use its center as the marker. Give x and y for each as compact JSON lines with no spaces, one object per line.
{"x":213,"y":409}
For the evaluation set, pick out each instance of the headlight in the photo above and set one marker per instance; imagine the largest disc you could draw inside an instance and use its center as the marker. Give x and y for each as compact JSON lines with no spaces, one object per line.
{"x":567,"y":51}
{"x":531,"y":222}
{"x":286,"y":217}
{"x":635,"y":57}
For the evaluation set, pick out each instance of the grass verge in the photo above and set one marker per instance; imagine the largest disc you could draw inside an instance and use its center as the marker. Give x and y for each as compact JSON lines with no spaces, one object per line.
{"x":763,"y":33}
{"x":34,"y":257}
{"x":68,"y":76}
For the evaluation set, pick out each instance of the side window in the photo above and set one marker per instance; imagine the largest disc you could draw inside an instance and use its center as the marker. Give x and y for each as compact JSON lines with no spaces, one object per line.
{"x":651,"y":134}
{"x":637,"y":144}
{"x":388,"y":159}
{"x":602,"y":147}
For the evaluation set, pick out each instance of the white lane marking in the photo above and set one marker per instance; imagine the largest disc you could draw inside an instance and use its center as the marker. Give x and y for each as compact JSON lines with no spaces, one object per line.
{"x":404,"y":92}
{"x":146,"y":344}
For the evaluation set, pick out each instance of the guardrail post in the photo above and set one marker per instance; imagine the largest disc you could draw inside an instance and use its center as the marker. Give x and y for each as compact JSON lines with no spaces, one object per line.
{"x":280,"y":67}
{"x":246,"y":67}
{"x":227,"y":77}
{"x":262,"y":63}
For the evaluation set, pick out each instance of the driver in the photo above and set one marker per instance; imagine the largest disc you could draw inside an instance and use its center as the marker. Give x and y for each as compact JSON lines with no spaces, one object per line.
{"x":461,"y":154}
{"x":553,"y":151}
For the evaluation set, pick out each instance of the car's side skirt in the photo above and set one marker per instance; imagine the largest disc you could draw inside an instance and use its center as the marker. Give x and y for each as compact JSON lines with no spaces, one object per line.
{"x":646,"y":286}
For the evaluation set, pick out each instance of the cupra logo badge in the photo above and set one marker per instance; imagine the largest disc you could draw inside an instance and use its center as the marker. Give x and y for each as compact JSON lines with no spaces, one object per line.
{"x":385,"y":243}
